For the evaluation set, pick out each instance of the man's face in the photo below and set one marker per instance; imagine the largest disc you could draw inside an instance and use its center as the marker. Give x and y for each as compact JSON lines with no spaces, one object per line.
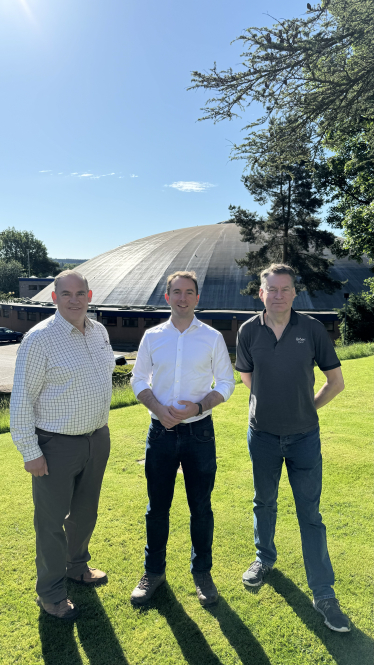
{"x":278,"y":295}
{"x":182,"y":298}
{"x":72,"y":298}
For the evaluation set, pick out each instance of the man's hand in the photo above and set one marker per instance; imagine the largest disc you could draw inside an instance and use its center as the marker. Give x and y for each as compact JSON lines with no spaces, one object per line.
{"x":166,"y":417}
{"x":38,"y":466}
{"x":190,"y":411}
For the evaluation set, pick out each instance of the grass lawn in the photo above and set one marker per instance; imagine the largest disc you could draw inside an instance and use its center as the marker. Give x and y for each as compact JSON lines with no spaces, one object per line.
{"x":275,"y":626}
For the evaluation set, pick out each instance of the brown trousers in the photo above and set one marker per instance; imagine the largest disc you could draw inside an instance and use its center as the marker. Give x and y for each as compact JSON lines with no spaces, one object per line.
{"x":66,"y":503}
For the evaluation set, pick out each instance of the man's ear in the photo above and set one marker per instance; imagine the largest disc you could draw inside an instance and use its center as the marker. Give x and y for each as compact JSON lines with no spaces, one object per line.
{"x":261,"y":294}
{"x":54,"y":297}
{"x":198,"y":298}
{"x":167,"y":298}
{"x":89,"y":296}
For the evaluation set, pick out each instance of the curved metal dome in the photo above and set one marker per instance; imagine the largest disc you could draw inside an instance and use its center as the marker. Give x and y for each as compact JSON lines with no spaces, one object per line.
{"x":135,"y":274}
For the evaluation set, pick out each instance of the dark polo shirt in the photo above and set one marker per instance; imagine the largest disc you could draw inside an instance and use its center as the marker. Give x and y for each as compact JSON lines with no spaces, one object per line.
{"x":282,"y":394}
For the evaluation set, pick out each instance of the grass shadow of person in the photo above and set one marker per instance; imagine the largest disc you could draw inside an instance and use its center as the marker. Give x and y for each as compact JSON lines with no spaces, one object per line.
{"x":95,"y":631}
{"x":191,"y":640}
{"x":57,"y":640}
{"x":249,"y":650}
{"x":345,"y":648}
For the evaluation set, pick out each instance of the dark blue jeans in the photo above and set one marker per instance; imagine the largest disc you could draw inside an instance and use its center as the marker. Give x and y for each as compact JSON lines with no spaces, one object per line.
{"x":302,"y":454}
{"x":193,"y":446}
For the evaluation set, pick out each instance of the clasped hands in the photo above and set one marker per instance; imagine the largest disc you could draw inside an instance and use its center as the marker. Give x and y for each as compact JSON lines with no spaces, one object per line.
{"x":169,"y":416}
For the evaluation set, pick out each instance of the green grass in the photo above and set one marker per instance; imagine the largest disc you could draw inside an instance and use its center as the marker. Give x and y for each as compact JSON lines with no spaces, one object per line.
{"x":275,"y":626}
{"x":351,"y":351}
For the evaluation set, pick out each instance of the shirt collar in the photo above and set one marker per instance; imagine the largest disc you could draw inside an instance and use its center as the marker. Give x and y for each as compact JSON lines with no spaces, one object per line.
{"x":195,"y":323}
{"x":293,"y":318}
{"x":69,"y":327}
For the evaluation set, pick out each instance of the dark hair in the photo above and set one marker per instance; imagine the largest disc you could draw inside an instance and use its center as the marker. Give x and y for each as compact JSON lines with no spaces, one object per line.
{"x":278,"y":269}
{"x":186,"y":274}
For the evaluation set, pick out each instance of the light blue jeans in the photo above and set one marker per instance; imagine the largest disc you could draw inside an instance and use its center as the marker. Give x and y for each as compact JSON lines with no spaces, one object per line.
{"x":302,"y":454}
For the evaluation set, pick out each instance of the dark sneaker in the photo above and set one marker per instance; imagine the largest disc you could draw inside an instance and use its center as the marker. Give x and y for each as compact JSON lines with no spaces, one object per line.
{"x":65,"y":609}
{"x":146,"y":588}
{"x":334,"y":617}
{"x":255,"y":574}
{"x":91,"y":577}
{"x":205,"y":588}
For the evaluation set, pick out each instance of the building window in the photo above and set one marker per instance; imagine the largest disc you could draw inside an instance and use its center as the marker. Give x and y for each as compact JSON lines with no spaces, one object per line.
{"x":149,"y":323}
{"x":329,"y":325}
{"x":221,"y":324}
{"x":6,"y":313}
{"x":130,"y":323}
{"x":33,"y":287}
{"x":22,"y":316}
{"x":41,"y":286}
{"x":45,"y":315}
{"x":31,"y":316}
{"x":109,"y":320}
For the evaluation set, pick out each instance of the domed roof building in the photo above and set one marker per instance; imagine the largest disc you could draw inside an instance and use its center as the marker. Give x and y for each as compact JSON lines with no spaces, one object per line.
{"x":128,"y":285}
{"x":134,"y":275}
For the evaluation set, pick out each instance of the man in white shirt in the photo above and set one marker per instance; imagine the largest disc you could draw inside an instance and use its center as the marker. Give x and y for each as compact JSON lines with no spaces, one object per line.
{"x":58,"y":420}
{"x":172,"y":377}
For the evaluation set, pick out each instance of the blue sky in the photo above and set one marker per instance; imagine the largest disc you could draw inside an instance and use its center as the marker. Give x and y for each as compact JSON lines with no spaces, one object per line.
{"x":99,"y":139}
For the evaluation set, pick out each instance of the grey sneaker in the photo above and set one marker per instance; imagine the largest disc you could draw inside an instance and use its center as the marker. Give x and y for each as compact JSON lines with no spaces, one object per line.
{"x":334,"y":617}
{"x":64,"y":609}
{"x":255,"y":574}
{"x":144,"y":591}
{"x":205,"y":588}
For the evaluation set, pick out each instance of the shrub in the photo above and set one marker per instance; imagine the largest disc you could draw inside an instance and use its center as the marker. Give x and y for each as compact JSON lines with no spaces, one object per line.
{"x":360,"y":316}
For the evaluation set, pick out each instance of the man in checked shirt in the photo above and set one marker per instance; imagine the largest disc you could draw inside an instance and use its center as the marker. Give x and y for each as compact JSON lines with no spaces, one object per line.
{"x":58,"y":421}
{"x":172,"y":376}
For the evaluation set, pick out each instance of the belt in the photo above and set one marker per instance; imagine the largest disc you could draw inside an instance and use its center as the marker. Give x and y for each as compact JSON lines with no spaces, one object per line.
{"x":190,"y":425}
{"x":43,"y":431}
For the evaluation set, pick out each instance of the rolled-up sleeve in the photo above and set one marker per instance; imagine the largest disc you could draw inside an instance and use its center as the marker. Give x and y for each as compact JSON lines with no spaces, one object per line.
{"x":222,"y":369}
{"x":142,"y":372}
{"x":28,"y":382}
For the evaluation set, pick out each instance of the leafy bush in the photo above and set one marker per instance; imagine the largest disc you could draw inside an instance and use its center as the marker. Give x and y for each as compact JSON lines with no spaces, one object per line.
{"x":360,"y":316}
{"x":121,"y":375}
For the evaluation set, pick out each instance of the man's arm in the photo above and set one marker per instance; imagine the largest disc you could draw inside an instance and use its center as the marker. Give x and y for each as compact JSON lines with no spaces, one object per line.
{"x":167,"y":415}
{"x":333,"y":386}
{"x":246,"y":378}
{"x":29,"y":376}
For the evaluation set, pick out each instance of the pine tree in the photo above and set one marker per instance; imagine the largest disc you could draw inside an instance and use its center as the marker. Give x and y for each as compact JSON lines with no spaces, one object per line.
{"x":290,"y":232}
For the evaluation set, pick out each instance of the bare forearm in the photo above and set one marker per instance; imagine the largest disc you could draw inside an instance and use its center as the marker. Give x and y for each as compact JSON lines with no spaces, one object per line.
{"x":147,"y":398}
{"x":327,"y":393}
{"x":211,"y":400}
{"x":246,"y":377}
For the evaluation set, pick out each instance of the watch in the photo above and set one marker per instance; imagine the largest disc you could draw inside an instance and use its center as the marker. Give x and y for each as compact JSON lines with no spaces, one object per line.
{"x":200,"y":408}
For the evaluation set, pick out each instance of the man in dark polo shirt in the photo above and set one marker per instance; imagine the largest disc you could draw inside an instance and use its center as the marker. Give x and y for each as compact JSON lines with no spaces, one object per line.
{"x":276,"y":352}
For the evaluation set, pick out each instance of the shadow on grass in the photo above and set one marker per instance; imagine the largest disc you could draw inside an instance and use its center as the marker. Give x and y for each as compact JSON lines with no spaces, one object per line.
{"x":191,"y":640}
{"x":95,"y":631}
{"x":249,"y":650}
{"x":354,"y":648}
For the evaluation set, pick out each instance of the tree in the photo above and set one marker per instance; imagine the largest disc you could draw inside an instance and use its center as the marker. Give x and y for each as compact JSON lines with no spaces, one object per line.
{"x":22,"y":246}
{"x":290,"y":232}
{"x":346,"y":178}
{"x":360,"y":316}
{"x":10,"y":271}
{"x":317,"y":70}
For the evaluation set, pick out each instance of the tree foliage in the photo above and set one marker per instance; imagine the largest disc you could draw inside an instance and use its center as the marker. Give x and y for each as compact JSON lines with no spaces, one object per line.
{"x":318,"y":70}
{"x":22,"y":246}
{"x":290,"y":232}
{"x":360,"y":316}
{"x":10,"y":271}
{"x":347,"y":179}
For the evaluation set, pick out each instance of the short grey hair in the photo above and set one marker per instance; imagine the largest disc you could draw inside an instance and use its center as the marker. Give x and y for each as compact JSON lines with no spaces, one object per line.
{"x":66,"y":273}
{"x":277,"y":269}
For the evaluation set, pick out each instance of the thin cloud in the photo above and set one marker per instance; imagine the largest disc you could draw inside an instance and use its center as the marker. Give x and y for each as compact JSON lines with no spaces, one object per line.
{"x":191,"y":186}
{"x":73,"y":173}
{"x":132,"y":175}
{"x":86,"y":175}
{"x":46,"y":171}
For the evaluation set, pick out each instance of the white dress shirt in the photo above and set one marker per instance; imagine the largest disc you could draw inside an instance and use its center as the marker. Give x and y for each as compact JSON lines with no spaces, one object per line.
{"x":181,"y":366}
{"x":62,"y":382}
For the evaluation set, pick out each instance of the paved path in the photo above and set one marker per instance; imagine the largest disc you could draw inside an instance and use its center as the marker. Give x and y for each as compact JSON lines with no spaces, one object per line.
{"x":8,"y":354}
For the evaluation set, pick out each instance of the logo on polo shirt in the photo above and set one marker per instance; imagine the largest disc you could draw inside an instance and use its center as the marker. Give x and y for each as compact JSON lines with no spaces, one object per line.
{"x":301,"y":340}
